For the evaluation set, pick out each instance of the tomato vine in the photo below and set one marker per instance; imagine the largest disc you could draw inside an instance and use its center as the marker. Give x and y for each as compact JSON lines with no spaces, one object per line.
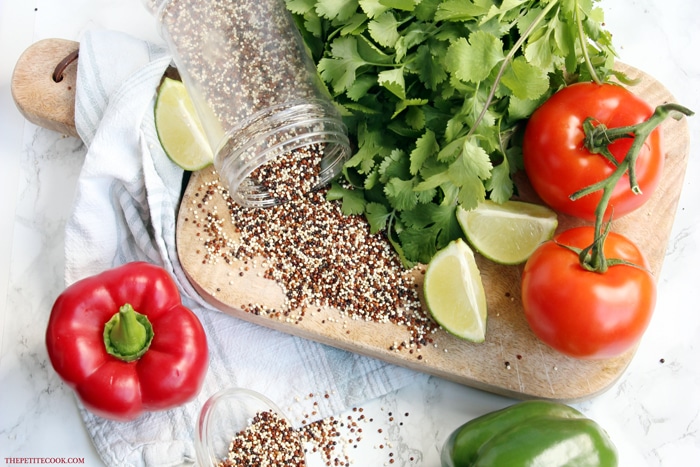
{"x":597,"y":140}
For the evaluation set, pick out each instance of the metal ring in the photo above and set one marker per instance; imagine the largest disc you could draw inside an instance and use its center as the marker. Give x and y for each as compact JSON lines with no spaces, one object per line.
{"x":63,"y":64}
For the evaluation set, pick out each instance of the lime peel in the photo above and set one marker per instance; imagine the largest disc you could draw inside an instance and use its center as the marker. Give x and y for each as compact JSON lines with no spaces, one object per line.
{"x":454,"y":292}
{"x":179,"y":129}
{"x":507,"y":233}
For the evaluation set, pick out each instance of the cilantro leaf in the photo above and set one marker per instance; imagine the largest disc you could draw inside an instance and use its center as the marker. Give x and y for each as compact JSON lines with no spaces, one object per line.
{"x":452,"y":150}
{"x":504,"y":11}
{"x":471,"y":193}
{"x":425,"y":11}
{"x":474,"y":160}
{"x":384,"y":29}
{"x":300,"y":7}
{"x":400,"y":194}
{"x":408,"y":103}
{"x":426,"y":146}
{"x":353,"y":201}
{"x":419,"y":244}
{"x":428,"y":228}
{"x":526,"y":81}
{"x":467,"y":173}
{"x":415,"y":117}
{"x":432,"y":92}
{"x":340,"y":70}
{"x":371,"y":53}
{"x":360,"y":87}
{"x":473,"y":61}
{"x":521,"y":108}
{"x":378,"y":216}
{"x":354,"y":25}
{"x":339,"y":10}
{"x":395,"y":165}
{"x":461,"y":10}
{"x":426,"y":64}
{"x":373,"y":8}
{"x":393,"y":80}
{"x":370,"y":145}
{"x":500,"y":184}
{"x":434,"y":181}
{"x":405,"y":5}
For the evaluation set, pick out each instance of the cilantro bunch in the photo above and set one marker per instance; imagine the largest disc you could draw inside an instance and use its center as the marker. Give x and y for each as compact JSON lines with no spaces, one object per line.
{"x":434,"y":93}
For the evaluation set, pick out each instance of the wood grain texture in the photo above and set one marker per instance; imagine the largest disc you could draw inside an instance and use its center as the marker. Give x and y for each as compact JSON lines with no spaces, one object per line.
{"x":512,"y":361}
{"x":39,"y":98}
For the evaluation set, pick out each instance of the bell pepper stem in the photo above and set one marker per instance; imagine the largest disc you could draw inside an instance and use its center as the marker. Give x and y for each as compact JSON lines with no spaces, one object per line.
{"x":596,"y":140}
{"x":128,"y":334}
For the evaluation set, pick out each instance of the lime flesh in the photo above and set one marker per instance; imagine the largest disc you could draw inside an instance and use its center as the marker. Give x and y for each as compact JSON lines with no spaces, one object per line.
{"x":507,"y":233}
{"x":454,"y":292}
{"x":179,"y":129}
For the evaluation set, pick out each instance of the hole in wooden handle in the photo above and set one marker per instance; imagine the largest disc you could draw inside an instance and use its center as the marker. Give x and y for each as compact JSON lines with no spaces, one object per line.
{"x":63,"y":64}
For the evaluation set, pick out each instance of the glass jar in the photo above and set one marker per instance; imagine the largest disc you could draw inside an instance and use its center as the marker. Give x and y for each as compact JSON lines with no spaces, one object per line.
{"x":234,"y":418}
{"x":269,"y":119}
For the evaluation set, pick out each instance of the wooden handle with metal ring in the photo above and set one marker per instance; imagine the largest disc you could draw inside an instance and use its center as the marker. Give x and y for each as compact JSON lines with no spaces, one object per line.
{"x":44,"y":82}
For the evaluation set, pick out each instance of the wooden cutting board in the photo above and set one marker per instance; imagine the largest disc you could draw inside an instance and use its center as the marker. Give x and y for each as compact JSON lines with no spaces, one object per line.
{"x":511,"y":361}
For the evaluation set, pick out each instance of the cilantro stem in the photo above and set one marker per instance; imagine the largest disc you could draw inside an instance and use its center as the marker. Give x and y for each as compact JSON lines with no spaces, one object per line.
{"x":584,"y":44}
{"x":511,"y":53}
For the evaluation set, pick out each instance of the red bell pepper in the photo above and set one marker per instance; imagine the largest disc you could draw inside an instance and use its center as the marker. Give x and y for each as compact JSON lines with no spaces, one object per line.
{"x":126,"y":344}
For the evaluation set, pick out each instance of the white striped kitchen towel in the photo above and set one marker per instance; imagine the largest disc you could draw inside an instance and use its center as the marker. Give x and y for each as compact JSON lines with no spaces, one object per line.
{"x":125,"y":210}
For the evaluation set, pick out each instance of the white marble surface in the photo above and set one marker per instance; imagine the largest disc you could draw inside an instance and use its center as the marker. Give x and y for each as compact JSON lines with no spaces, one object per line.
{"x":652,"y":413}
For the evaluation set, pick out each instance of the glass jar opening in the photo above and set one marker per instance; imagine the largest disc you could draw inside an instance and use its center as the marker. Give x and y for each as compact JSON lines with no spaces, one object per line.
{"x":283,"y":153}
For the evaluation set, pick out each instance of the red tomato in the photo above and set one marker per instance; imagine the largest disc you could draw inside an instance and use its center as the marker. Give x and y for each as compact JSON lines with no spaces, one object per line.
{"x":558,"y":165}
{"x":586,"y":314}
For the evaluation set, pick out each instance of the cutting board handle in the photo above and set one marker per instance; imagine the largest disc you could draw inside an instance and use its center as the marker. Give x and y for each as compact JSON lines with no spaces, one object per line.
{"x":43,"y":84}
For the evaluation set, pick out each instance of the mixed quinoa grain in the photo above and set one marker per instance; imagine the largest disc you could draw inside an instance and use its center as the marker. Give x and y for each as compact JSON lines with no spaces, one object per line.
{"x":258,"y":96}
{"x":320,"y":257}
{"x":290,"y":176}
{"x":269,"y":440}
{"x":244,"y":56}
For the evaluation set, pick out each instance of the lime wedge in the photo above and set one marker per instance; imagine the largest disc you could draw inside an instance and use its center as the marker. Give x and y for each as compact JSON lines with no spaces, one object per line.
{"x":179,"y":130}
{"x":454,"y":292}
{"x":507,"y":233}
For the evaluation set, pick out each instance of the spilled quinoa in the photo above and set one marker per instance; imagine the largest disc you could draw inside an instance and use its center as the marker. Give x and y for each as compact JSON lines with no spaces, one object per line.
{"x":321,"y":257}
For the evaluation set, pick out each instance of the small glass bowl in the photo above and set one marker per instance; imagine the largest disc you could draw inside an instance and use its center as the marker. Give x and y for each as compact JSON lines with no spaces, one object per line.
{"x":224,"y":415}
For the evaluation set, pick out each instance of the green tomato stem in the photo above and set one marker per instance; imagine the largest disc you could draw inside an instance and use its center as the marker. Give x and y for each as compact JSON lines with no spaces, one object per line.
{"x":128,"y":334}
{"x":597,"y":140}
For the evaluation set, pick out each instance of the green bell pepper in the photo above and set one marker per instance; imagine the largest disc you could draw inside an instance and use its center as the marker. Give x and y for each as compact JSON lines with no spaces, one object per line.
{"x":530,"y":433}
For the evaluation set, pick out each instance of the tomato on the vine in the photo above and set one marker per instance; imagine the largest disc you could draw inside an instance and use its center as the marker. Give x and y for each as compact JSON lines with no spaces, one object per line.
{"x":558,"y":165}
{"x":586,"y":314}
